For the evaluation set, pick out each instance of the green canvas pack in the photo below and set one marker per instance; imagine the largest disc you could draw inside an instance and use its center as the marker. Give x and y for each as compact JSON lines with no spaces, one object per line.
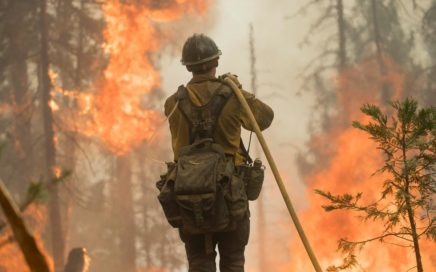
{"x":201,"y":192}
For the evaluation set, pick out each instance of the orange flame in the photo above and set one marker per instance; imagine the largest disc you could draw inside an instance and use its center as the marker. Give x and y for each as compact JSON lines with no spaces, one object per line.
{"x":349,"y":171}
{"x":117,"y":114}
{"x":131,"y":37}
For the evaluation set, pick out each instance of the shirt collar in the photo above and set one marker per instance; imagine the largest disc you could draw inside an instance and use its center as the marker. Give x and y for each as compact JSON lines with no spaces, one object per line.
{"x":201,"y":78}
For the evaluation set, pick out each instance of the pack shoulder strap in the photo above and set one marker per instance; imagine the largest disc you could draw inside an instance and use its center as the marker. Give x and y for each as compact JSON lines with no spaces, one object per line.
{"x":203,"y":119}
{"x":184,"y":103}
{"x":219,"y":99}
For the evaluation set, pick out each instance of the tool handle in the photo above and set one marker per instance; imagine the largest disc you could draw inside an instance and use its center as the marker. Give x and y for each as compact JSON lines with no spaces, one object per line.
{"x":230,"y":81}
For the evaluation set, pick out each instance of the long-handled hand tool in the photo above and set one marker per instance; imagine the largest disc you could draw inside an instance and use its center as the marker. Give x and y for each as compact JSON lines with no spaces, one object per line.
{"x":230,"y":80}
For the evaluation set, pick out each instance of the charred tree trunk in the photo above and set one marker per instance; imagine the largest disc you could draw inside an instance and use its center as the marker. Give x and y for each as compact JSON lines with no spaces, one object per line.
{"x":146,"y":241}
{"x":114,"y":211}
{"x":69,"y":136}
{"x":20,"y":87}
{"x":260,"y":205}
{"x":429,"y":31}
{"x":377,"y":36}
{"x":32,"y":254}
{"x":79,"y":51}
{"x":125,"y":214}
{"x":342,"y":52}
{"x":163,"y":249}
{"x":410,"y":212}
{"x":22,"y":116}
{"x":57,"y":241}
{"x":62,"y":12}
{"x":386,"y":89}
{"x":253,"y":61}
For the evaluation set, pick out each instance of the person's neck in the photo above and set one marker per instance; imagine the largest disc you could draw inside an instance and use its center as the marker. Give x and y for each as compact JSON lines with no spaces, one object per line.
{"x":211,"y":73}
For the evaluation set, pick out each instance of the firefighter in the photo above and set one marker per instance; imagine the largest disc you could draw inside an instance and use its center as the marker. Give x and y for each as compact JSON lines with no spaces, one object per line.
{"x":200,"y":55}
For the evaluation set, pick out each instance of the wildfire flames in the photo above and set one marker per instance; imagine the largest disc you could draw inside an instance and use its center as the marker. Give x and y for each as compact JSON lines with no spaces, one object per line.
{"x":114,"y":110}
{"x":349,"y":170}
{"x":116,"y":113}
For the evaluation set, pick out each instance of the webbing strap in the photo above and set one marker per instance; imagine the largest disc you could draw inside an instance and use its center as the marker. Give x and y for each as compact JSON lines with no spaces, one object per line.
{"x":184,"y":103}
{"x":198,"y":214}
{"x":245,"y":151}
{"x":203,"y":119}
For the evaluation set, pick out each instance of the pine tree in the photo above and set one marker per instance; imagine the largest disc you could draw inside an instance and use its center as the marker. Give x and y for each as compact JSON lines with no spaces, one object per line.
{"x":408,"y":142}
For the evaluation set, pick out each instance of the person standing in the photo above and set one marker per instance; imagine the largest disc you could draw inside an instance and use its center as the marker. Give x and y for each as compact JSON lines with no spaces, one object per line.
{"x":207,"y":109}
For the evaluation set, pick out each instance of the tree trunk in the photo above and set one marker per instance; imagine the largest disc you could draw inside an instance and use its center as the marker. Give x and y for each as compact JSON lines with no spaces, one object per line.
{"x":377,"y":36}
{"x":125,"y":214}
{"x":261,"y":255}
{"x":57,"y":241}
{"x":20,"y":86}
{"x":69,"y":136}
{"x":411,"y":217}
{"x":22,"y":114}
{"x":409,"y":207}
{"x":79,"y":52}
{"x":32,"y":254}
{"x":386,"y":89}
{"x":342,"y":52}
{"x":146,"y":196}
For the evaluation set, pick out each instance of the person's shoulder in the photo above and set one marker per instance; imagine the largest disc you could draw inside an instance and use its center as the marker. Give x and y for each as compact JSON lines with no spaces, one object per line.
{"x":171,"y":99}
{"x":170,"y":102}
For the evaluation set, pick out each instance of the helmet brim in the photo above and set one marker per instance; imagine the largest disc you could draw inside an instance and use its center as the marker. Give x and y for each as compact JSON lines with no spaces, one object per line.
{"x":214,"y":56}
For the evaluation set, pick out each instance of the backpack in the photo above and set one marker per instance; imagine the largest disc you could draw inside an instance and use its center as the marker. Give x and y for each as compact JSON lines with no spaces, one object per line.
{"x":201,"y":193}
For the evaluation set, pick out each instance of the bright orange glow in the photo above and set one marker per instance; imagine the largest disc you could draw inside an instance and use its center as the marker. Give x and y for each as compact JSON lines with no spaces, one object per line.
{"x":117,"y":114}
{"x":53,"y":105}
{"x":131,"y":37}
{"x":57,"y":171}
{"x":349,"y":170}
{"x":11,"y":258}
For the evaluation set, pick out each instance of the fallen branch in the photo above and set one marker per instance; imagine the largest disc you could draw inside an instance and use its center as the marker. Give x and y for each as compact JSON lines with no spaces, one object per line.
{"x":32,"y":254}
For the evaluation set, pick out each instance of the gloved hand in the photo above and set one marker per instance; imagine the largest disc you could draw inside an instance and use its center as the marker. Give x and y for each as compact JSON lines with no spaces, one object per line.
{"x":233,"y":77}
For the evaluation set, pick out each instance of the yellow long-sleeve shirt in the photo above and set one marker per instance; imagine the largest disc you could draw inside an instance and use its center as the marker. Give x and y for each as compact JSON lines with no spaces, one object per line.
{"x":232,"y":117}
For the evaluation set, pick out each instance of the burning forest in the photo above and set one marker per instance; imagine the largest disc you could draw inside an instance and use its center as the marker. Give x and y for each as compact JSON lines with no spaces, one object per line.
{"x":84,"y":137}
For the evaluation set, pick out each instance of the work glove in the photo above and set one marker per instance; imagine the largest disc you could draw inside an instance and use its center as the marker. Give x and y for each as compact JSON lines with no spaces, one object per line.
{"x":233,"y":77}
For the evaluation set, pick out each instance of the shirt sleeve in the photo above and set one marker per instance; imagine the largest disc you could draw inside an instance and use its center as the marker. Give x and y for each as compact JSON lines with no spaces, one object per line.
{"x":169,"y":105}
{"x":261,"y":111}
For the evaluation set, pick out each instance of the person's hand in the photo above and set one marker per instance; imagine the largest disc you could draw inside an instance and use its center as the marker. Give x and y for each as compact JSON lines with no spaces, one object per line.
{"x":233,"y":77}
